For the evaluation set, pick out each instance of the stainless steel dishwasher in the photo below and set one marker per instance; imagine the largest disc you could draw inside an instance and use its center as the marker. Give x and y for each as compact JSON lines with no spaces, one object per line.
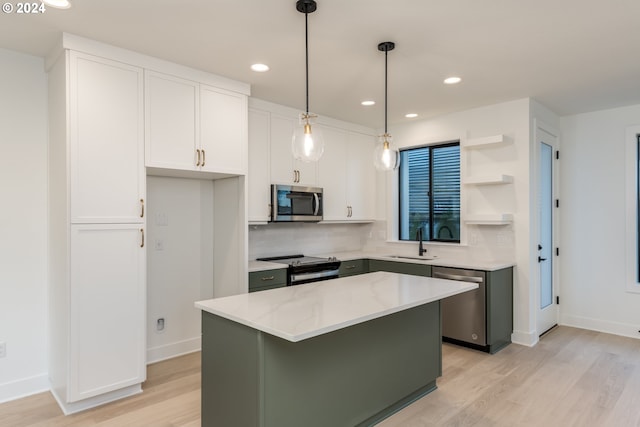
{"x":464,"y":316}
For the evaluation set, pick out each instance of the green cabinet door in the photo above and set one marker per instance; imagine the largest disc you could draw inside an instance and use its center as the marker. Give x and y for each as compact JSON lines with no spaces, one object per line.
{"x":267,"y":279}
{"x":353,"y":267}
{"x":499,"y":308}
{"x":400,"y":267}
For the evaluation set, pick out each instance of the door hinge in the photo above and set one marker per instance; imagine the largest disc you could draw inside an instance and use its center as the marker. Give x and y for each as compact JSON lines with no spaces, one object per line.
{"x":557,"y":251}
{"x":557,"y":203}
{"x":558,"y":300}
{"x":557,"y":154}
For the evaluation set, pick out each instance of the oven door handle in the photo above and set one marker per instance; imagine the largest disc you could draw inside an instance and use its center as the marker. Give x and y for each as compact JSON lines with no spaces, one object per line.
{"x":317,"y":200}
{"x":315,"y":275}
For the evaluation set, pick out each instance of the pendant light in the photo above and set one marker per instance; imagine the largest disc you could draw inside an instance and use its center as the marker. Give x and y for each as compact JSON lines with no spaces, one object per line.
{"x":307,"y":143}
{"x":386,"y":156}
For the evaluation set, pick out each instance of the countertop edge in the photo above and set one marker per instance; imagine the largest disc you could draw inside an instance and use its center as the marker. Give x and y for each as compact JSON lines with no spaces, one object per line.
{"x":483,"y":265}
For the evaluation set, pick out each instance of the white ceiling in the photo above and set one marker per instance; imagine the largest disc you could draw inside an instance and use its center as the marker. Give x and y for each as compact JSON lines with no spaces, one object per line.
{"x":571,"y":55}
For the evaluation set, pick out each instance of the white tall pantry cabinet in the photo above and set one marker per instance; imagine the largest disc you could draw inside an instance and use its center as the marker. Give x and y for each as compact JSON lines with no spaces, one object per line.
{"x":97,"y":223}
{"x":100,"y":120}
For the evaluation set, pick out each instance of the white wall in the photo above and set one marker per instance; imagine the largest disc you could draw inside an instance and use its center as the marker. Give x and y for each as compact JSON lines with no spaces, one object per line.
{"x":179,"y":262}
{"x":592,"y":286}
{"x":511,"y":242}
{"x":23,"y":224}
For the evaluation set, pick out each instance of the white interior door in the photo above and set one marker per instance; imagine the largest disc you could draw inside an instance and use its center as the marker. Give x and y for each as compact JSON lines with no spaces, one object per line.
{"x":546,"y":245}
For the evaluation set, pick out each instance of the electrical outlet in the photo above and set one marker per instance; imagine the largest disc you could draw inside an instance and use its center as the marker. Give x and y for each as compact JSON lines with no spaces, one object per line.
{"x":3,"y":349}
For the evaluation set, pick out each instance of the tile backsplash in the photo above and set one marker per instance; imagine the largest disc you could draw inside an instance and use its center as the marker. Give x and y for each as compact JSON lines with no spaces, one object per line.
{"x":484,"y":243}
{"x":306,"y":238}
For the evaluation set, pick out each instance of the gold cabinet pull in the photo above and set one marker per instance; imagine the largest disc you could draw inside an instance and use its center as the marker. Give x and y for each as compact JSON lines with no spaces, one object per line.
{"x":142,"y":234}
{"x":264,"y":279}
{"x":349,"y":267}
{"x":141,"y":208}
{"x":198,"y":161}
{"x":204,"y":158}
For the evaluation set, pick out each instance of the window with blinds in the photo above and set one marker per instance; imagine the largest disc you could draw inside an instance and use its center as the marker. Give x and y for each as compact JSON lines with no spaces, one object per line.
{"x":430,"y":192}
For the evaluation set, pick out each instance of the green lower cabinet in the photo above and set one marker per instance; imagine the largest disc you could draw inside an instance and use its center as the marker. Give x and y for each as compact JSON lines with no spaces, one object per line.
{"x":400,"y":267}
{"x":353,"y":267}
{"x":499,"y":308}
{"x":355,"y":376}
{"x":267,"y":279}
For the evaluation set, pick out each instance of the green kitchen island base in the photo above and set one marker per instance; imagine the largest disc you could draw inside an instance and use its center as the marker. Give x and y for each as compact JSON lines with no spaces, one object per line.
{"x":355,"y":376}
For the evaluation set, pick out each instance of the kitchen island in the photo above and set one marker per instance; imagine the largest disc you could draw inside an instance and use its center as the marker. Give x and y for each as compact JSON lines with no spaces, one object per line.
{"x":344,"y":352}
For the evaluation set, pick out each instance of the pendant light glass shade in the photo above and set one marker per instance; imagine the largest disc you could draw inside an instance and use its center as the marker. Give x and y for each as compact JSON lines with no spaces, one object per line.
{"x":386,"y":156}
{"x":307,"y":142}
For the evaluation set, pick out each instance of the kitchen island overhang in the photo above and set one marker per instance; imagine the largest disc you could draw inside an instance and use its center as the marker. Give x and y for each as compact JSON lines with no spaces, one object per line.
{"x":349,"y":351}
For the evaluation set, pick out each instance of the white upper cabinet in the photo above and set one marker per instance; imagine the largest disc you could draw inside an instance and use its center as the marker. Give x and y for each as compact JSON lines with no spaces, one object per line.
{"x":347,"y":175}
{"x":194,"y":127}
{"x":223,"y":130}
{"x":361,"y":177}
{"x":284,"y":168}
{"x":106,"y":125}
{"x":171,"y":122}
{"x":332,"y":175}
{"x":345,"y":171}
{"x":258,"y":174}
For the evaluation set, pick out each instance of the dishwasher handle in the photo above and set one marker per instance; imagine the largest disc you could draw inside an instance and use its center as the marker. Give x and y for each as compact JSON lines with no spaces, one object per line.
{"x":458,"y":277}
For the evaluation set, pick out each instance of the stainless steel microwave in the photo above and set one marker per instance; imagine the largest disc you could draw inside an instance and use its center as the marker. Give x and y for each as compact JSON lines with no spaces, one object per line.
{"x":291,"y":203}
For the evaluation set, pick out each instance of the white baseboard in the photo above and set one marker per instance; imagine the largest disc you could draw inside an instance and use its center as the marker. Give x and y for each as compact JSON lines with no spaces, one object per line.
{"x":525,"y":338}
{"x":169,"y":351}
{"x":92,"y":402}
{"x":24,"y":387}
{"x":598,"y":325}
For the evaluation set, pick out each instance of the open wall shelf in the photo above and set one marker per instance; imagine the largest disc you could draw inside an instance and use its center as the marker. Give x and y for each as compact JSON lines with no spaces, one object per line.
{"x":488,"y":179}
{"x":489,"y":219}
{"x":487,"y":141}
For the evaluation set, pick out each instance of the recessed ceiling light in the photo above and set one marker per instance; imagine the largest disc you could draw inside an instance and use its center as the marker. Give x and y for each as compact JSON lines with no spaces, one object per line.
{"x":58,"y":4}
{"x":368,"y":103}
{"x":410,"y":115}
{"x":260,"y":68}
{"x":452,"y":80}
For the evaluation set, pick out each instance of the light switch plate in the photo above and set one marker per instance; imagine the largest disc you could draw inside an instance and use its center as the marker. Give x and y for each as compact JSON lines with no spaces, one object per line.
{"x":162,"y":219}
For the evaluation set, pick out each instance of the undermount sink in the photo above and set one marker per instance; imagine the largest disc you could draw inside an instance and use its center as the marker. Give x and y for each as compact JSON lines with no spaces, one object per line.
{"x":417,"y":258}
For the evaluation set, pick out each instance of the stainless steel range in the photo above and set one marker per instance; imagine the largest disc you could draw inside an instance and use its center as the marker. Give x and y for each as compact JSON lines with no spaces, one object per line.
{"x":306,"y":269}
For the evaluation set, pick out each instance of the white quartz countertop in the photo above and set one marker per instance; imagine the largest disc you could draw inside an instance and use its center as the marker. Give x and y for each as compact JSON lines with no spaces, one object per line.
{"x":296,"y":313}
{"x":264,"y":266}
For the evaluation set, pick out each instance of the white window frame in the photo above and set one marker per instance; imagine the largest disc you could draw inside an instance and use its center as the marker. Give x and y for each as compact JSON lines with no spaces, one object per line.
{"x":631,"y":209}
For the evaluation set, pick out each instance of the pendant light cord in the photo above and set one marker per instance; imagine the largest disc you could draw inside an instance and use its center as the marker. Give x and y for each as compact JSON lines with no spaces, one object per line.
{"x":306,"y":54}
{"x":385,"y":92}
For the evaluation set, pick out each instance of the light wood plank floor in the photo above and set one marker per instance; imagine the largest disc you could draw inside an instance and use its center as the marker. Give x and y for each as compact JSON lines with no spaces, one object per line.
{"x":573,"y":377}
